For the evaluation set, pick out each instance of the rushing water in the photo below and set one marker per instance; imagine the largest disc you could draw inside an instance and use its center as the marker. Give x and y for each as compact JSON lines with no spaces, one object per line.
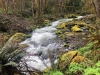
{"x":42,"y":42}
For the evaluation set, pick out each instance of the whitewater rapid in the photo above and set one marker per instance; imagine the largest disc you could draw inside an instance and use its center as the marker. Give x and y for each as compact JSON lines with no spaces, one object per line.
{"x":41,"y":44}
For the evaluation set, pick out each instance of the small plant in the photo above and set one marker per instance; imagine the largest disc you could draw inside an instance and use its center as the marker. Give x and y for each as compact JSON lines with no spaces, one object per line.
{"x":75,"y":69}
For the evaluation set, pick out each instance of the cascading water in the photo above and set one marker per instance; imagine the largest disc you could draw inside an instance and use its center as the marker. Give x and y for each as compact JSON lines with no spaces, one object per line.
{"x":42,"y":40}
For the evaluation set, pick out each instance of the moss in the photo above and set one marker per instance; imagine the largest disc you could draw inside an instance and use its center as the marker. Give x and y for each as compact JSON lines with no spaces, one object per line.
{"x":76,"y":28}
{"x":47,"y":22}
{"x":66,"y":58}
{"x":61,"y":36}
{"x":58,"y":31}
{"x":65,"y":45}
{"x":62,"y":26}
{"x":69,"y":54}
{"x":18,"y":37}
{"x":69,"y":33}
{"x":28,"y":35}
{"x":14,"y":41}
{"x":78,"y":59}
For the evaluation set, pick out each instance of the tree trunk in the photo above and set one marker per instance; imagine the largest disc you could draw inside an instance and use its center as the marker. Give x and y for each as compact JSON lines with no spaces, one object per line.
{"x":39,"y":11}
{"x":97,"y":7}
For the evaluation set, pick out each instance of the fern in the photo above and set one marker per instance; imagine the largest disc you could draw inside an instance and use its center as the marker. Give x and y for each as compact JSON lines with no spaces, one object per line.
{"x":75,"y":68}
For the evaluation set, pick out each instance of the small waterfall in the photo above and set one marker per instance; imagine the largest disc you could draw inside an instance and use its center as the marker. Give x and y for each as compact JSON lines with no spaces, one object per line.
{"x":42,"y":40}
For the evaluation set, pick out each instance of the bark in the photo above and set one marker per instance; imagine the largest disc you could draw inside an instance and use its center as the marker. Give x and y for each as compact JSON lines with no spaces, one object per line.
{"x":39,"y":11}
{"x":97,"y":7}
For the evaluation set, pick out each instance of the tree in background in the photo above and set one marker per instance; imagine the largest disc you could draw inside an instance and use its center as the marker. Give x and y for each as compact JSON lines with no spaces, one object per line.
{"x":73,"y":6}
{"x":4,"y":6}
{"x":97,"y":7}
{"x":88,"y":7}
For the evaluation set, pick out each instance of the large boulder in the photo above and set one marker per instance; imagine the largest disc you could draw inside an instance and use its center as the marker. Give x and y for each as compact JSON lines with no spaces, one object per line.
{"x":12,"y":44}
{"x":66,"y":58}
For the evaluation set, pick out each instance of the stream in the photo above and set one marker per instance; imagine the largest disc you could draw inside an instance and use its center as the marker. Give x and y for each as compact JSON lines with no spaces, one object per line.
{"x":42,"y":43}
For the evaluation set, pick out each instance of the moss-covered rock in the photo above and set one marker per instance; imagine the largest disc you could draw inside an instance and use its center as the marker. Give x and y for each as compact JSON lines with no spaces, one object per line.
{"x":66,"y":58}
{"x":69,"y":54}
{"x":62,"y":26}
{"x":78,"y":59}
{"x":13,"y":42}
{"x":76,"y":28}
{"x":62,"y":36}
{"x":58,"y":31}
{"x":47,"y":22}
{"x":72,"y":27}
{"x":69,"y":33}
{"x":18,"y":37}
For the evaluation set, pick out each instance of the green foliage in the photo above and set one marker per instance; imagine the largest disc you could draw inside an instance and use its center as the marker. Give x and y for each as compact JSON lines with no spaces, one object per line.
{"x":74,"y":68}
{"x":57,"y":73}
{"x":53,"y":73}
{"x":86,"y":48}
{"x":77,"y":5}
{"x":92,"y":71}
{"x":97,"y":64}
{"x":95,"y":70}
